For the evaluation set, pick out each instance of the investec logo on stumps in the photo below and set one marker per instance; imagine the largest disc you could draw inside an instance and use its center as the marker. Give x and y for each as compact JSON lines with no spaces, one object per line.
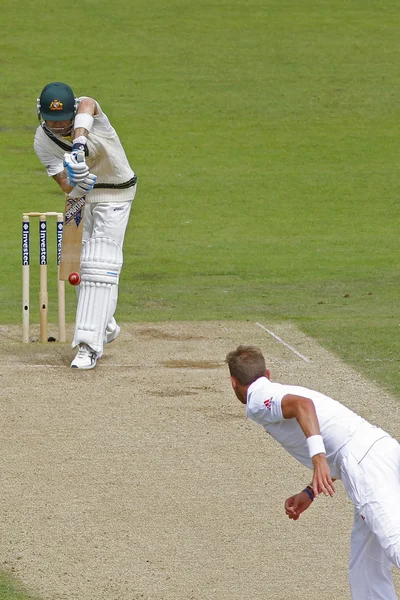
{"x":43,"y":244}
{"x":25,"y":244}
{"x":60,"y":230}
{"x":73,"y":211}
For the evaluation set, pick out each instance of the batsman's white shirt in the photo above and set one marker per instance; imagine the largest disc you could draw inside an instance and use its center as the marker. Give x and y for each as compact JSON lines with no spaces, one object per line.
{"x":338,"y":424}
{"x":106,"y":159}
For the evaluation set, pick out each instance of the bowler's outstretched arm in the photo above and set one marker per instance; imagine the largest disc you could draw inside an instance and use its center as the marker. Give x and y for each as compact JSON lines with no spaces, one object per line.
{"x":303,"y":410}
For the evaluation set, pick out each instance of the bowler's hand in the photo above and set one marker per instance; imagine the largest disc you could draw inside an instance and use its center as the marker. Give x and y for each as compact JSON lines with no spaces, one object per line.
{"x":297,"y":504}
{"x":322,"y":482}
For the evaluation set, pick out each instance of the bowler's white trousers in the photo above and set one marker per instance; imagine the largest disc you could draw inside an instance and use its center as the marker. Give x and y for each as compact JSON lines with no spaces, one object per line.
{"x":103,"y":221}
{"x":371,"y":478}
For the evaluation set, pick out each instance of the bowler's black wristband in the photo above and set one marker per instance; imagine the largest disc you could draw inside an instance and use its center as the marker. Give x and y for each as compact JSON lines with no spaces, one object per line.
{"x":308,"y":490}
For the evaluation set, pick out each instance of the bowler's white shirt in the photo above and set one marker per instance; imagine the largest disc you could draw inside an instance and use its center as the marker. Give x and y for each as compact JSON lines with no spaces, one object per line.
{"x":337,"y":423}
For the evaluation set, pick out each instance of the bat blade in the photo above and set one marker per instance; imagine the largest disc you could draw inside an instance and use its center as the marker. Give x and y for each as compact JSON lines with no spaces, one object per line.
{"x":72,"y":237}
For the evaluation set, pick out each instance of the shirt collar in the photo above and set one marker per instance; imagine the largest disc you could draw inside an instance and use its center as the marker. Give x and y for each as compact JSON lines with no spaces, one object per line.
{"x":253,"y":387}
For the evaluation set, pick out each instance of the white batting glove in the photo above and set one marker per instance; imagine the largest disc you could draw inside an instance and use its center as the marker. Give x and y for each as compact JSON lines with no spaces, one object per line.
{"x":76,"y":167}
{"x":83,"y":187}
{"x":79,"y":146}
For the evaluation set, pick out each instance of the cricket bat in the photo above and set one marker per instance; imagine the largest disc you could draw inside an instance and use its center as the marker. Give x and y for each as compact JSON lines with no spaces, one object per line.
{"x":72,"y":237}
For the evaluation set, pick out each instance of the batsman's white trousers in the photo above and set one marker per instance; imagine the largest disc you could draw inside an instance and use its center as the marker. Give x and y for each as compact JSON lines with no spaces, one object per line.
{"x":371,"y":478}
{"x":104,"y":221}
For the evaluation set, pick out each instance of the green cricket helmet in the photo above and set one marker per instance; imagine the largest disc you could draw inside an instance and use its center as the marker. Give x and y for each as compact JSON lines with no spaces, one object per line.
{"x":57,"y":102}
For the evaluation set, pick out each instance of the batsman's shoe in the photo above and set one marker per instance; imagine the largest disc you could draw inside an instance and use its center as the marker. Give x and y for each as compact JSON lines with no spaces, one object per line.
{"x":86,"y":358}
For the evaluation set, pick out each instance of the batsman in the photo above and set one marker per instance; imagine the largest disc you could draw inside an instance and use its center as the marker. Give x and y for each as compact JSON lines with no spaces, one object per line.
{"x":80,"y":149}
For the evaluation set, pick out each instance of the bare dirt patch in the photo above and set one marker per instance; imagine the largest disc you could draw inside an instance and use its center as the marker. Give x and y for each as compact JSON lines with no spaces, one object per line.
{"x":191,"y":364}
{"x":143,"y":480}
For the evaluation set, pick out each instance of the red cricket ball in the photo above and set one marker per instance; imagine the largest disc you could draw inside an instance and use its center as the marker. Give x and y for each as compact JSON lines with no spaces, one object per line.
{"x":74,"y":278}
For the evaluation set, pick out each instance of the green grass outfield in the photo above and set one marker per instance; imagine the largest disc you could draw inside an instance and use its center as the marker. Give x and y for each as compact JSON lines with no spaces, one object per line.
{"x":265,"y":139}
{"x":11,"y":590}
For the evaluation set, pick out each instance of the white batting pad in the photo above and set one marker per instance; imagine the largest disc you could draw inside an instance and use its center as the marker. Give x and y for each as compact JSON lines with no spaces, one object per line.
{"x":101,"y":260}
{"x":101,"y":264}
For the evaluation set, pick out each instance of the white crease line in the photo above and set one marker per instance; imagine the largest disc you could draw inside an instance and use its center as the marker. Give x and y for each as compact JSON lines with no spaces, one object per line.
{"x":67,"y":367}
{"x":109,"y":365}
{"x":284,"y":343}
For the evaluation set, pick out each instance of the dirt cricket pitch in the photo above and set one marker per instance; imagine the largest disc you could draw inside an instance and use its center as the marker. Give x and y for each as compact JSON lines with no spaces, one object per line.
{"x":142,"y":479}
